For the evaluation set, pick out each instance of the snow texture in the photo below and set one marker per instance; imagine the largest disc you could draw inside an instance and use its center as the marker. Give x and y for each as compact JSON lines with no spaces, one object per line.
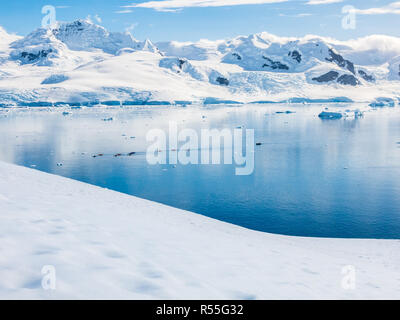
{"x":108,"y":245}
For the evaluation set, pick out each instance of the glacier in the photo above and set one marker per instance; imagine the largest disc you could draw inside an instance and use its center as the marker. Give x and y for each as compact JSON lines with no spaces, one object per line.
{"x":82,"y":64}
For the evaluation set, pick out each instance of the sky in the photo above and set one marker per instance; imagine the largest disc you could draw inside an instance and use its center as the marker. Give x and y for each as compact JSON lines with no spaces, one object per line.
{"x":192,"y":20}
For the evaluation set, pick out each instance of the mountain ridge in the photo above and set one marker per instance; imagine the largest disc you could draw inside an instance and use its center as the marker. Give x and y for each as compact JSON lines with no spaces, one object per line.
{"x":82,"y":62}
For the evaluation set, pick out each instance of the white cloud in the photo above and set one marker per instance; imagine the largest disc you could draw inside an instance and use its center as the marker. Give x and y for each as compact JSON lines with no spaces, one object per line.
{"x":392,"y":8}
{"x":298,"y":15}
{"x":123,"y":11}
{"x":315,"y":2}
{"x":167,"y":5}
{"x":97,"y":18}
{"x":131,"y":27}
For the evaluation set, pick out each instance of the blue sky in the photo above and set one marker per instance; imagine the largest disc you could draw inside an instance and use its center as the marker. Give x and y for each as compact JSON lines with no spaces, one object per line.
{"x":191,"y":20}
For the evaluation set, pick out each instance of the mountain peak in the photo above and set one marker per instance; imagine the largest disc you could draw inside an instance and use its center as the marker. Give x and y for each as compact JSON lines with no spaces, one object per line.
{"x":85,"y":35}
{"x":79,"y":35}
{"x":5,"y":37}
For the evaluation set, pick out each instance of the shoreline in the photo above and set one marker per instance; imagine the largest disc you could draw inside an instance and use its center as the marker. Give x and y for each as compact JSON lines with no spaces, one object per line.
{"x":108,"y":245}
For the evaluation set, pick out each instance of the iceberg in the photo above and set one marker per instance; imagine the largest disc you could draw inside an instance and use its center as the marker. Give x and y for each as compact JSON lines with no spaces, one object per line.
{"x":327,"y":115}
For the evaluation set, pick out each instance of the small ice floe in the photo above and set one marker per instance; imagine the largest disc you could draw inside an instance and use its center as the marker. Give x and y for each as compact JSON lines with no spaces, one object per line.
{"x":382,"y":102}
{"x":358,"y":114}
{"x":330,"y":115}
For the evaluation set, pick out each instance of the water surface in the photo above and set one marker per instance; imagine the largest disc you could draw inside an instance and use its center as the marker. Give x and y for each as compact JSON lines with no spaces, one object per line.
{"x":332,"y":178}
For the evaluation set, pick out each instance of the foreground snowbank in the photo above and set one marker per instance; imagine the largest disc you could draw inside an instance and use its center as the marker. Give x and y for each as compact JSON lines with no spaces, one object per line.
{"x":104,"y":244}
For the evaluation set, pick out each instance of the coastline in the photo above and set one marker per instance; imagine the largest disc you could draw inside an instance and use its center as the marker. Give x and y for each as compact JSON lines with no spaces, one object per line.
{"x":108,"y":245}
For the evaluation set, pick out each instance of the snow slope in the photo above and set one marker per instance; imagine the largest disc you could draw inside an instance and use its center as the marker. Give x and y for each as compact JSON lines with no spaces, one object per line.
{"x":104,"y":244}
{"x":83,"y":63}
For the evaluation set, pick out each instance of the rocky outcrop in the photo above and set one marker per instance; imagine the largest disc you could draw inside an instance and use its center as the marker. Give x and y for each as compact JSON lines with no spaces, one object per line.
{"x":327,"y":77}
{"x":237,"y":56}
{"x":345,"y":79}
{"x":295,"y":55}
{"x":348,"y":79}
{"x":222,"y":81}
{"x":182,"y":66}
{"x":30,"y":57}
{"x":366,"y":76}
{"x":340,"y":61}
{"x":70,"y":28}
{"x":181,"y":62}
{"x":274,"y":65}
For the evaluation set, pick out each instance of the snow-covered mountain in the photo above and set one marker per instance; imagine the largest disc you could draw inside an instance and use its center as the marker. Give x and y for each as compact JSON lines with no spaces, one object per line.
{"x":82,"y":63}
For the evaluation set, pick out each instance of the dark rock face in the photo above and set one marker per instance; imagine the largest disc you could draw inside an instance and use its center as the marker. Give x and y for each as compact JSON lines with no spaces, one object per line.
{"x":74,"y":27}
{"x":237,"y":56}
{"x":295,"y":55}
{"x":181,"y":62}
{"x":340,"y":61}
{"x":222,"y":81}
{"x":348,"y":79}
{"x":274,"y":64}
{"x":327,"y":77}
{"x":366,"y":76}
{"x":31,"y":57}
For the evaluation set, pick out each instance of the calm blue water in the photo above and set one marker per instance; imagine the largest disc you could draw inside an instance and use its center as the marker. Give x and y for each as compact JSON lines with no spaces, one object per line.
{"x":332,"y":178}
